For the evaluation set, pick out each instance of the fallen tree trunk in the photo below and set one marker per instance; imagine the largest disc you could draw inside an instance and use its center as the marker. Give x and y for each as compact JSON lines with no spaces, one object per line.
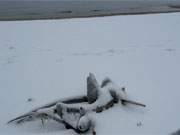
{"x":73,"y":113}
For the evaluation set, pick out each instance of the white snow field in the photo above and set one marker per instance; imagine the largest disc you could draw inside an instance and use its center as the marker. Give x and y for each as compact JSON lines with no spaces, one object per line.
{"x":50,"y":59}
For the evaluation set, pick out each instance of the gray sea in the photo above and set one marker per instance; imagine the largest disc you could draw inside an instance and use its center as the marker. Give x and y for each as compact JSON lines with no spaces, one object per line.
{"x":29,"y":10}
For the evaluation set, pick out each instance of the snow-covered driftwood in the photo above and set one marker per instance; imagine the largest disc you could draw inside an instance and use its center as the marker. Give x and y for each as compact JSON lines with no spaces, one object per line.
{"x":73,"y":113}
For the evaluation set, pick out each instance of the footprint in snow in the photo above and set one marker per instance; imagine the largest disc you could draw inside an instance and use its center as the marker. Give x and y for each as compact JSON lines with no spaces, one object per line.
{"x":170,"y":50}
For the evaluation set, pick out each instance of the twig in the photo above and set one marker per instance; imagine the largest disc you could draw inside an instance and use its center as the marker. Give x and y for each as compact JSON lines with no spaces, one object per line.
{"x":133,"y":102}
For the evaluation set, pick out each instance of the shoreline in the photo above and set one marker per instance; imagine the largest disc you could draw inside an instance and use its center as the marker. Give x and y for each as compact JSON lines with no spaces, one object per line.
{"x":13,"y":11}
{"x":90,"y":16}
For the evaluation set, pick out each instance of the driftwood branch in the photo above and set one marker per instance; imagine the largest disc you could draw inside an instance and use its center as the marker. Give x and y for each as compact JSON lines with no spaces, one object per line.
{"x":133,"y":102}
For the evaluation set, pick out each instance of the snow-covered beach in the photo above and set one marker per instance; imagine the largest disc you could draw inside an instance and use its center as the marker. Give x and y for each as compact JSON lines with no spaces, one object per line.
{"x":50,"y":59}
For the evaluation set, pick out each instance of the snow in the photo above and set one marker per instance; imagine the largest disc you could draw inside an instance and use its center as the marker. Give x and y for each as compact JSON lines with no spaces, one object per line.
{"x":50,"y":59}
{"x":117,"y":89}
{"x":84,"y":123}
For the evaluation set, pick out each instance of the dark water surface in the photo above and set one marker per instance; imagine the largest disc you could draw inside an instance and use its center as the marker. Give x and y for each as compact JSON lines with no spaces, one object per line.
{"x":29,"y":10}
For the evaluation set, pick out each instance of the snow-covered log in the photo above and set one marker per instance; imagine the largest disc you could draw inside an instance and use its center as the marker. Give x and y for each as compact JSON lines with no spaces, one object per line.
{"x":75,"y":116}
